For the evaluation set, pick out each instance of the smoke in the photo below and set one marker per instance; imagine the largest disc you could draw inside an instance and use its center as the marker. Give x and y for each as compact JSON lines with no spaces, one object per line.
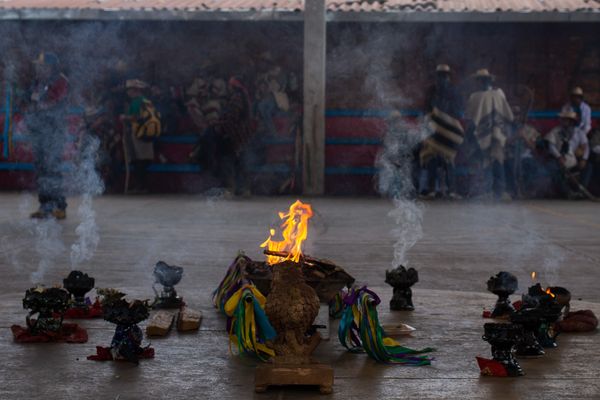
{"x":49,"y":246}
{"x":378,"y":57}
{"x":395,"y":180}
{"x":90,"y":184}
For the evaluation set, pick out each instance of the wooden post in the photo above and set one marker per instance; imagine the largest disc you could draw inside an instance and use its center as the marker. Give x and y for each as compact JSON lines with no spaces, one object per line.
{"x":313,"y":145}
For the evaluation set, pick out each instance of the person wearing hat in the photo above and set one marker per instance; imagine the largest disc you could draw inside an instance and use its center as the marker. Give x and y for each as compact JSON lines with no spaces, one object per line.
{"x":141,"y":151}
{"x":489,"y":118}
{"x":582,"y":109}
{"x":446,"y":134}
{"x":46,"y":124}
{"x":563,"y":142}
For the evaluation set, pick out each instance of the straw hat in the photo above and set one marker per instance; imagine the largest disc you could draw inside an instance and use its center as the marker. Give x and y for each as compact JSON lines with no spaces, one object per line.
{"x":135,"y":84}
{"x":442,"y":68}
{"x":483,"y":73}
{"x":568,"y":114}
{"x":577,"y":91}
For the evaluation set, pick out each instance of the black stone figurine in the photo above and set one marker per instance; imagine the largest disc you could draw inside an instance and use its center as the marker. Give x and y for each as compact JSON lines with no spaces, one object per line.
{"x":530,"y":319}
{"x":45,"y":302}
{"x":401,"y":279}
{"x":168,"y":276}
{"x":503,"y":285}
{"x":549,"y":309}
{"x":78,"y":284}
{"x":503,"y":338}
{"x":126,"y":343}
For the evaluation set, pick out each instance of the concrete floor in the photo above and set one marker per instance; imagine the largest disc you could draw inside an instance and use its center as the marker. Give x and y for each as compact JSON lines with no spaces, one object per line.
{"x":463,"y":245}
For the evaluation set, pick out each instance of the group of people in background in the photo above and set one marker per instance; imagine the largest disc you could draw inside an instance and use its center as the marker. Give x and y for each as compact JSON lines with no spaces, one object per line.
{"x":496,"y":139}
{"x":128,"y":114}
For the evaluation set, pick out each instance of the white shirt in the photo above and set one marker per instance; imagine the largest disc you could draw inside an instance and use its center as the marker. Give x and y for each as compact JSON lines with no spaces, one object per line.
{"x":585,"y":123}
{"x":576,"y":140}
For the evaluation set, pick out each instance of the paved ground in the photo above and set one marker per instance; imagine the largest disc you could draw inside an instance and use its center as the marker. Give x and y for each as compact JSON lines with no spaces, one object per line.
{"x":463,"y":244}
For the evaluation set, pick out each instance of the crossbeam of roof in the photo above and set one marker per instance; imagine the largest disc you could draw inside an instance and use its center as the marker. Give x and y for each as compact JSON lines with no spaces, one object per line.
{"x":275,"y":15}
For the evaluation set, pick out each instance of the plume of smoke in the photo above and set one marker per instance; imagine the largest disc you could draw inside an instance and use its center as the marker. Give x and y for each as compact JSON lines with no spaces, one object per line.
{"x":90,"y":184}
{"x":394,"y":180}
{"x":49,"y":246}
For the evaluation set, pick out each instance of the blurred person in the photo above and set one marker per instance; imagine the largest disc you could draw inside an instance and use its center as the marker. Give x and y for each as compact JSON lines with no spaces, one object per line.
{"x":47,"y":128}
{"x":438,"y":151}
{"x":563,"y":143}
{"x":488,"y":117}
{"x":582,"y":109}
{"x":206,"y":107}
{"x":591,"y":174}
{"x":196,"y":96}
{"x":142,"y":127}
{"x":234,"y":133}
{"x":271,"y":92}
{"x":521,"y":165}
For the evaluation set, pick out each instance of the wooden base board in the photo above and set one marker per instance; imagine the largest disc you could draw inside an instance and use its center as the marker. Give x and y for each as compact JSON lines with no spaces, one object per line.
{"x":320,"y":375}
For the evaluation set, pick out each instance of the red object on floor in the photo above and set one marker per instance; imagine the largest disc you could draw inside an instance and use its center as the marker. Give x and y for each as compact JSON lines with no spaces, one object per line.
{"x":487,"y":314}
{"x":69,"y":333}
{"x":579,"y":321}
{"x":94,"y":311}
{"x":104,"y":354}
{"x":491,"y":367}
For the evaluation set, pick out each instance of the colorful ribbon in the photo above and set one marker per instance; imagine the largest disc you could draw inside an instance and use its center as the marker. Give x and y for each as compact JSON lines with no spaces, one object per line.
{"x":359,"y":331}
{"x":249,"y":328}
{"x":336,"y":305}
{"x":233,"y":280}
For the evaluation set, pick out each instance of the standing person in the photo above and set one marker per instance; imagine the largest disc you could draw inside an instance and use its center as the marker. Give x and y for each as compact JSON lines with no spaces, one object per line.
{"x":520,"y":165}
{"x":582,"y":109}
{"x":488,"y":117}
{"x":583,"y":128}
{"x":271,"y":92}
{"x":438,"y":151}
{"x":233,"y":135}
{"x":563,"y":142}
{"x":142,"y":127}
{"x":592,"y":170}
{"x":46,"y":123}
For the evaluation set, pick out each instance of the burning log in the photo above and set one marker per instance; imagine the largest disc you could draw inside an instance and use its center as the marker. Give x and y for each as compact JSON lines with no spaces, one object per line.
{"x":324,"y":276}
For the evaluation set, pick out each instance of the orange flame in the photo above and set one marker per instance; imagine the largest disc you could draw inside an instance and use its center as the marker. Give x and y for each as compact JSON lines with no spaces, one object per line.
{"x":295,"y":231}
{"x":548,"y":291}
{"x":533,"y":275}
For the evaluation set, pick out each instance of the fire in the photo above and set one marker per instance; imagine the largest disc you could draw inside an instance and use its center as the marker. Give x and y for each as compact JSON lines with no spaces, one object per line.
{"x":548,"y":291}
{"x":533,"y":275}
{"x":295,"y":231}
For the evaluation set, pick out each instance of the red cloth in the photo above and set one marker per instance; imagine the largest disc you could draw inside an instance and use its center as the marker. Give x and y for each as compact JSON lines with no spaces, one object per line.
{"x":94,"y":311}
{"x":69,"y":333}
{"x":104,"y":354}
{"x":578,"y":321}
{"x":491,"y":367}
